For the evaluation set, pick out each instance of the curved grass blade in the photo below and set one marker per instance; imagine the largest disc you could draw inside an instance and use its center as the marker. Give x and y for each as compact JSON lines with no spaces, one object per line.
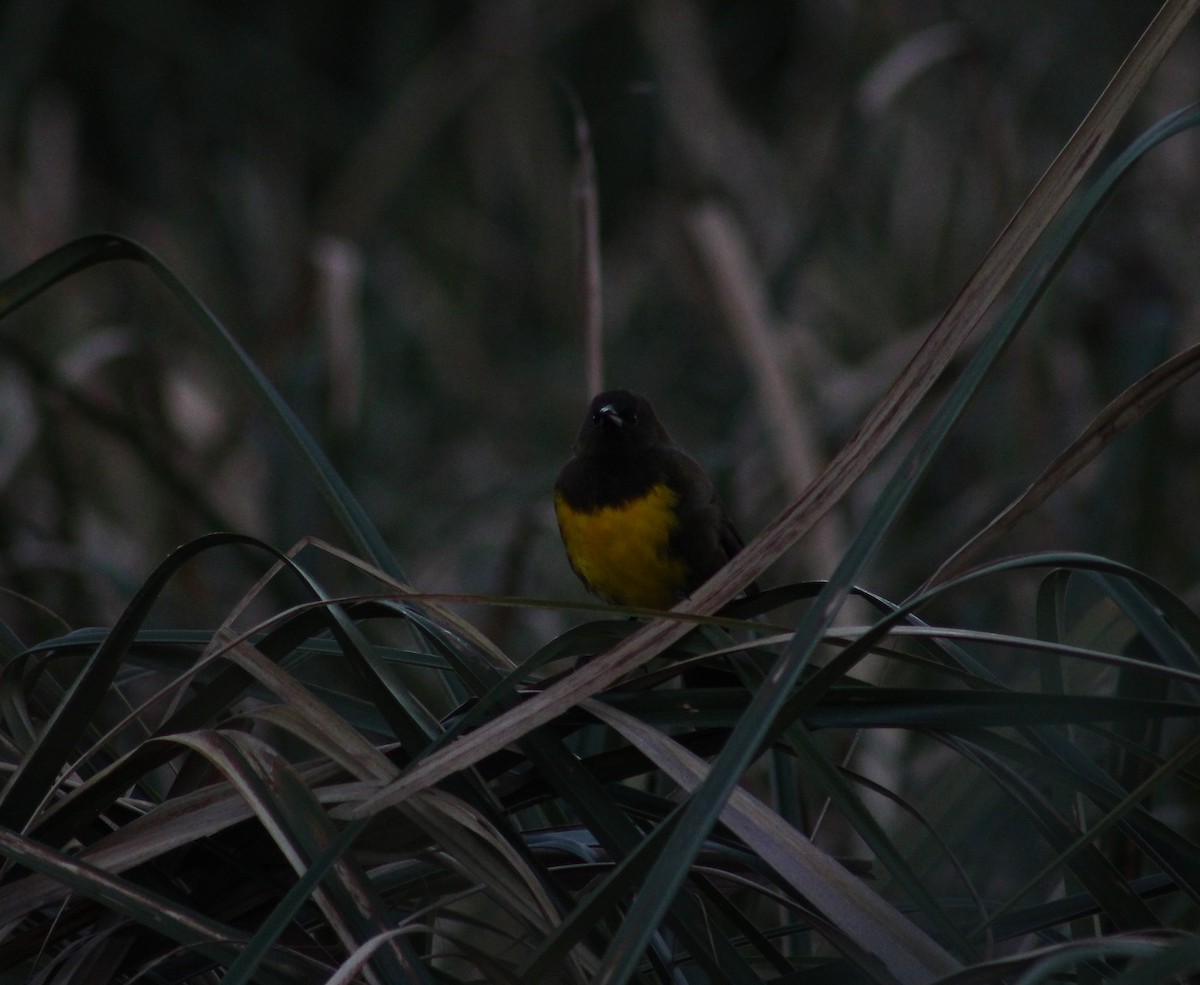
{"x":10,"y":644}
{"x":185,"y":820}
{"x":623,"y":841}
{"x":1095,"y":872}
{"x":304,"y":834}
{"x":326,"y":733}
{"x":1053,"y":757}
{"x":1046,"y":964}
{"x":1084,"y":842}
{"x":860,"y":923}
{"x":601,"y":902}
{"x":1160,"y":843}
{"x":1168,"y":964}
{"x":1114,"y":420}
{"x":845,"y":796}
{"x":1177,"y":857}
{"x":1160,"y":634}
{"x":39,"y":769}
{"x":1042,"y":916}
{"x":90,"y":251}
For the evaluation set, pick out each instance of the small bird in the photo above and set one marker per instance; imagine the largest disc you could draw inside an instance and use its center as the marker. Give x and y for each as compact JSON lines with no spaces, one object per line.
{"x":641,"y":521}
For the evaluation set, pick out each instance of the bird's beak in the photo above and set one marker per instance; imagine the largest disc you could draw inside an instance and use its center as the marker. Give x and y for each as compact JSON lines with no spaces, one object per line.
{"x":610,"y":412}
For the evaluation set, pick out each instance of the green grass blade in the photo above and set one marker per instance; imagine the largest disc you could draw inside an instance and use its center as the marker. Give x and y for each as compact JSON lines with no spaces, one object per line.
{"x":90,"y":251}
{"x":1171,"y":963}
{"x":38,"y":771}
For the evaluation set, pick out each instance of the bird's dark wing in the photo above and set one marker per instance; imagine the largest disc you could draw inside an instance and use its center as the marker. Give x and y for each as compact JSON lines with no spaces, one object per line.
{"x":706,"y":537}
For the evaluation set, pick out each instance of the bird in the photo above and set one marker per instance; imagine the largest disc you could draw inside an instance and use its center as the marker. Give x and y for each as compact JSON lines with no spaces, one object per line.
{"x":640,"y":519}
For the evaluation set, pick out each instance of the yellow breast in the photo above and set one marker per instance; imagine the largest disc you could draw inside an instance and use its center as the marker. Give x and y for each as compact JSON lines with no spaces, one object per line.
{"x":622,"y":552}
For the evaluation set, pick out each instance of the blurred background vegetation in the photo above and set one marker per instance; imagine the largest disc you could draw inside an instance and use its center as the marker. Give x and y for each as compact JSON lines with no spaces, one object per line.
{"x":378,"y":202}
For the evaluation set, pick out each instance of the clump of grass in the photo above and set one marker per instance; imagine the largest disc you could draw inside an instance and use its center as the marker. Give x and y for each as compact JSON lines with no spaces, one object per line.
{"x":358,"y":784}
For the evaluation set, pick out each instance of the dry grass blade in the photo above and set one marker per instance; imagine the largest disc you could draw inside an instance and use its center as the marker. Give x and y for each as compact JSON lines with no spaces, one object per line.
{"x":184,"y":821}
{"x":1120,"y":415}
{"x":742,"y":296}
{"x":313,"y":721}
{"x":450,"y":823}
{"x":510,"y":882}
{"x":914,"y":381}
{"x":154,"y":910}
{"x":447,"y":619}
{"x":867,"y":926}
{"x":587,"y":245}
{"x":353,"y":964}
{"x":264,"y":778}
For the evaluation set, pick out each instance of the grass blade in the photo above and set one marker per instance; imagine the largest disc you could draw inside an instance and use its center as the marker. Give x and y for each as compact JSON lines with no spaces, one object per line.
{"x":90,"y":251}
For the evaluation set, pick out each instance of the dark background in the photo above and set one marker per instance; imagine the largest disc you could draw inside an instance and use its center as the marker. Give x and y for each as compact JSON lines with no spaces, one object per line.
{"x":377,"y":201}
